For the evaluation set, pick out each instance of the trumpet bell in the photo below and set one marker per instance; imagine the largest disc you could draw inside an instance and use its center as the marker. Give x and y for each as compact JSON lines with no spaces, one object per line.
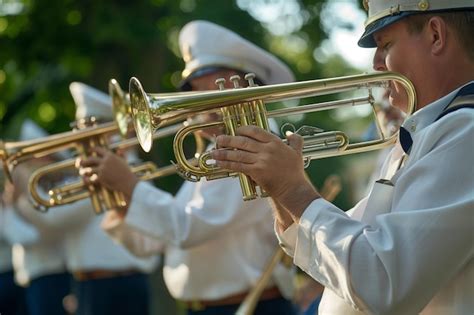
{"x":141,"y":115}
{"x":120,"y":107}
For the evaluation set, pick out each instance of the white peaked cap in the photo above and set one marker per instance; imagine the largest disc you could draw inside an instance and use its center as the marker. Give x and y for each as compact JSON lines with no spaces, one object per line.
{"x":204,"y":44}
{"x":91,"y":102}
{"x":382,"y":13}
{"x":30,"y":131}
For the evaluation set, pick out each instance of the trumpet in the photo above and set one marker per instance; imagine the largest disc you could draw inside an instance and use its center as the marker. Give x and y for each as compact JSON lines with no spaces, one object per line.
{"x":14,"y":153}
{"x":240,"y":107}
{"x":79,"y":141}
{"x":103,"y":199}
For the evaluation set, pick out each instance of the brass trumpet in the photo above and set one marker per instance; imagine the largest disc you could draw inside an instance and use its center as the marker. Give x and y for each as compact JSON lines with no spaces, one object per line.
{"x":13,"y":153}
{"x":79,"y":141}
{"x":241,"y":107}
{"x":104,"y":199}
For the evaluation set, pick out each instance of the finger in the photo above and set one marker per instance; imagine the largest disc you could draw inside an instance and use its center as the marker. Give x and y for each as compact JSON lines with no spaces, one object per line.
{"x":256,"y":133}
{"x":237,"y":142}
{"x":87,"y":171}
{"x":88,"y":181}
{"x":91,"y":161}
{"x":94,"y":178}
{"x":295,"y":141}
{"x":234,"y":166}
{"x":234,"y":155}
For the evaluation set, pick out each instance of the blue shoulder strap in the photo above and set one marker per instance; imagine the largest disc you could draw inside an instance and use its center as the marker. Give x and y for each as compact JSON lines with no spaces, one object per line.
{"x":464,"y":99}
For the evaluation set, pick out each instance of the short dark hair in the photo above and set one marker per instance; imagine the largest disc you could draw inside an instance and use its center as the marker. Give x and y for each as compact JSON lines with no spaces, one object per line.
{"x":462,"y":22}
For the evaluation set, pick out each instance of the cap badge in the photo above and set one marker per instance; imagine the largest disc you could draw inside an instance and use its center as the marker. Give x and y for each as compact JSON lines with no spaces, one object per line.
{"x":423,"y":5}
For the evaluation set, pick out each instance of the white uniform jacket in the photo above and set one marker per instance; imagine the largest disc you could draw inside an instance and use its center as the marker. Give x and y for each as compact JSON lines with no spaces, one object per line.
{"x":37,"y":240}
{"x":216,"y":244}
{"x":408,"y":248}
{"x":71,"y":239}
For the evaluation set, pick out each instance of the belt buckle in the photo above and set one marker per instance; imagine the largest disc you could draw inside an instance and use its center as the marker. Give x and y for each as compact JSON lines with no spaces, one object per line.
{"x":196,"y":306}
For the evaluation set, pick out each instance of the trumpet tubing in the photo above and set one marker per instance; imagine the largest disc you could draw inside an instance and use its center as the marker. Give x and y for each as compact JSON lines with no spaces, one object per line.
{"x":246,"y":106}
{"x":13,"y":153}
{"x":103,"y":199}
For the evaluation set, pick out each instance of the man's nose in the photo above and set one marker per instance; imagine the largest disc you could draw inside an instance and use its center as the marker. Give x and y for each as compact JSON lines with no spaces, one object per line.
{"x":378,"y":62}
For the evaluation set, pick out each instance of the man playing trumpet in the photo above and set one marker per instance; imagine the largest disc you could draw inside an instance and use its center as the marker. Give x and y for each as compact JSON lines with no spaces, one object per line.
{"x":407,"y":247}
{"x":216,"y":246}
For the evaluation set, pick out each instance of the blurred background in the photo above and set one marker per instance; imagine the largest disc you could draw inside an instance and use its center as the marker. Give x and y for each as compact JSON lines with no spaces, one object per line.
{"x":47,"y":44}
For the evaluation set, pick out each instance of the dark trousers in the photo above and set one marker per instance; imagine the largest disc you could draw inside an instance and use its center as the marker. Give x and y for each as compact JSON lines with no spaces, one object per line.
{"x":44,"y":295}
{"x":124,"y":295}
{"x":12,"y":297}
{"x":278,"y":306}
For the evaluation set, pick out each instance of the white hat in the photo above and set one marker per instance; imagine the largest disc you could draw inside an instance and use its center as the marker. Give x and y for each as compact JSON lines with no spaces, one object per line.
{"x":90,"y":102}
{"x":206,"y":45}
{"x":30,"y":131}
{"x":385,"y":12}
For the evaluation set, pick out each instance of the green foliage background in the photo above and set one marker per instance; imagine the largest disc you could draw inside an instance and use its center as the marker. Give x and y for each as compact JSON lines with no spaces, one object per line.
{"x":46,"y":44}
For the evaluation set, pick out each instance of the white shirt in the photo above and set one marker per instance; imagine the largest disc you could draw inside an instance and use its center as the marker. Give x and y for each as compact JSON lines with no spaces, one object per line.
{"x":37,"y":242}
{"x":216,"y":244}
{"x":412,"y":252}
{"x":88,"y":247}
{"x":71,"y":239}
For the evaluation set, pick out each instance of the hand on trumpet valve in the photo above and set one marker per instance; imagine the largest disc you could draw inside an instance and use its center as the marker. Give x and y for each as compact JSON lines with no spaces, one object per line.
{"x":105,"y":168}
{"x":275,"y":166}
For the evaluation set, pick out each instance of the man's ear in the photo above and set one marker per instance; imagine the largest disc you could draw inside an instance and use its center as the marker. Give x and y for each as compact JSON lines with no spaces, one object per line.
{"x":437,"y":32}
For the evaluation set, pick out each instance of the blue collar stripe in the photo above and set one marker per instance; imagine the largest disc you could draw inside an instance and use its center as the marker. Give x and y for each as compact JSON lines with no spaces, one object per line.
{"x":463,"y":99}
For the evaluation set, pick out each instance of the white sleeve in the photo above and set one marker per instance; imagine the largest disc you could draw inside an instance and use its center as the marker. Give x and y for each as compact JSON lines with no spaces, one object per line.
{"x":56,"y":219}
{"x":199,"y":212}
{"x":16,"y":230}
{"x":409,"y":253}
{"x":135,"y":241}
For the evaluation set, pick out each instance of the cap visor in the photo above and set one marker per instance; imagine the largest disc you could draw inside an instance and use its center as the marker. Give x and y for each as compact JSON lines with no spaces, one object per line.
{"x":367,"y":39}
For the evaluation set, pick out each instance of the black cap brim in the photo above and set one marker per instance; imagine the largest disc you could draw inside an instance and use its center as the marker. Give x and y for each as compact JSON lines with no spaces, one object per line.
{"x":185,"y":84}
{"x":367,"y":39}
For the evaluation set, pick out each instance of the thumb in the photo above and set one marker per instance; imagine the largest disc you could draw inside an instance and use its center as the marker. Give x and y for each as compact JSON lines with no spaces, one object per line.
{"x":295,"y":141}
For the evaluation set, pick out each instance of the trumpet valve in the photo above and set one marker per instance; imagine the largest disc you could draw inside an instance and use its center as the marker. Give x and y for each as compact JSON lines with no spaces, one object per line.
{"x":250,"y":77}
{"x":235,"y":80}
{"x":220,"y":82}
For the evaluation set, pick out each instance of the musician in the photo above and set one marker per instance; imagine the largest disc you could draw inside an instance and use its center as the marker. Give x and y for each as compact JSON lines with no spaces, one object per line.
{"x":408,"y":247}
{"x":38,"y":252}
{"x":216,"y":245}
{"x":107,"y":278}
